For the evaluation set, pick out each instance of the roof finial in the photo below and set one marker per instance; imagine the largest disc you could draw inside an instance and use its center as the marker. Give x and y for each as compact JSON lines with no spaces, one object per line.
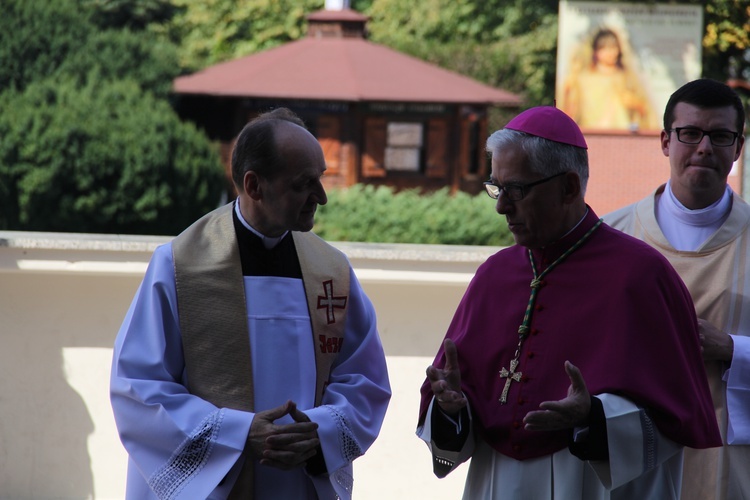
{"x":337,"y":4}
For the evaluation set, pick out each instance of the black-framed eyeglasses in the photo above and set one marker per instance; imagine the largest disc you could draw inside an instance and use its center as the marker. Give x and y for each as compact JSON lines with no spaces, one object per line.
{"x":694,"y":135}
{"x":514,"y":192}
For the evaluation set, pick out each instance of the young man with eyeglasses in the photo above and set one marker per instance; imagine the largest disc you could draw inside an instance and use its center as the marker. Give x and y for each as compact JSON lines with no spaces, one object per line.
{"x":572,"y":367}
{"x":703,"y":228}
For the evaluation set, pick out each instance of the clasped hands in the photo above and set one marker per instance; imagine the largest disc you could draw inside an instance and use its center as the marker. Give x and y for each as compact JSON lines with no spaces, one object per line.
{"x":284,"y":446}
{"x":567,"y":413}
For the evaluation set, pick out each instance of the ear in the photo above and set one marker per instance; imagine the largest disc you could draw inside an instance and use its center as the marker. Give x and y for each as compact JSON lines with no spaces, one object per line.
{"x":571,"y":187}
{"x":251,"y":185}
{"x":665,"y":142}
{"x":740,"y":143}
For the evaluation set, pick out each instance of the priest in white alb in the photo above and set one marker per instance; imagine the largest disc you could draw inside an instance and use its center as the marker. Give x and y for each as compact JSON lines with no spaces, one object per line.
{"x":249,"y":364}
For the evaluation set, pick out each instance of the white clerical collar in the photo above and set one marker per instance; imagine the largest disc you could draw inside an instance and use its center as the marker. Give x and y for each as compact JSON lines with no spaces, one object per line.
{"x":572,"y":228}
{"x":577,"y":224}
{"x":712,"y":215}
{"x":268,"y":242}
{"x":686,"y":229}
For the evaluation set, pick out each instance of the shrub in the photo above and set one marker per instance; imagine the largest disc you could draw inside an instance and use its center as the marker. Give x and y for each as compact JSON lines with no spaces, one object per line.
{"x":102,"y":158}
{"x":378,"y":214}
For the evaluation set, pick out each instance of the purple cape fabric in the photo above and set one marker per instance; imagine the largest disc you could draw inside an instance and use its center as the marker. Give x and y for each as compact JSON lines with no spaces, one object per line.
{"x":615,"y":308}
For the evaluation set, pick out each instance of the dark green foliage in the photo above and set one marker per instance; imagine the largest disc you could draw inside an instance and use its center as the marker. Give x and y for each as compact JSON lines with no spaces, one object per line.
{"x":131,"y":14}
{"x":36,"y":36}
{"x":506,"y":44}
{"x":119,"y":54}
{"x":377,"y":214}
{"x":212,"y":31}
{"x":88,"y":140}
{"x":726,"y":42}
{"x":41,"y":39}
{"x":101,"y":158}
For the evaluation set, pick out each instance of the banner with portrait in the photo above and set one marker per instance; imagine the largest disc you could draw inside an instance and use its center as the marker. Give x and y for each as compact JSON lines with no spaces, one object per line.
{"x":618,"y":63}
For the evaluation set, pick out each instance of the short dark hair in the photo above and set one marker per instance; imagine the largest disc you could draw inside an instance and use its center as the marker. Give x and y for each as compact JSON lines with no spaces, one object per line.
{"x":705,"y":93}
{"x":256,"y":149}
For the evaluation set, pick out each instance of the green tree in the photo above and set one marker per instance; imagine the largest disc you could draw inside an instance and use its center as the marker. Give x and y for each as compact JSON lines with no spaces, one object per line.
{"x":504,"y":44}
{"x":136,"y":15}
{"x":105,"y":157}
{"x":115,"y":55}
{"x":212,"y":31}
{"x":726,"y":42}
{"x":41,"y":39}
{"x":36,"y":36}
{"x":88,"y":139}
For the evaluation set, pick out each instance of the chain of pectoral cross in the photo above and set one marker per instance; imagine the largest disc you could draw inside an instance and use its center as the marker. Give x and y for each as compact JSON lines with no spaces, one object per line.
{"x":511,"y":375}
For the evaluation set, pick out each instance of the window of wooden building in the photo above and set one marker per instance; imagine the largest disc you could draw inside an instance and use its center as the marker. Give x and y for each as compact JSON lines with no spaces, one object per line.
{"x":403,"y":146}
{"x":398,"y":145}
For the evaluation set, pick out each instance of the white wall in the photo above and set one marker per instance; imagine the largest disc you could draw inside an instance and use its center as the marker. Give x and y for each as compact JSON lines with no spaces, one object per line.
{"x":62,"y":298}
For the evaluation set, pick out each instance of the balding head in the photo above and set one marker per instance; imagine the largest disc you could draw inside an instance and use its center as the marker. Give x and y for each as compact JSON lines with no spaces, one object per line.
{"x":257,"y":146}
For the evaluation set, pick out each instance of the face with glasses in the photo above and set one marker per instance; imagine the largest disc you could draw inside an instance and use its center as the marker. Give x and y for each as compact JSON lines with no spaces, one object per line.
{"x":539,"y":210}
{"x":702,"y":145}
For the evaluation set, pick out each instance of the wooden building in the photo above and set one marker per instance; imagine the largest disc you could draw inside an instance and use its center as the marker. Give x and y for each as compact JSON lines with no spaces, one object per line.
{"x":381,"y":117}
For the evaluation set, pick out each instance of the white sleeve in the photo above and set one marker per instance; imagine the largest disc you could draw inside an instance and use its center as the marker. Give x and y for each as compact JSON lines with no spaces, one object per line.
{"x":358,"y":393}
{"x":737,"y":378}
{"x":181,"y":445}
{"x":635,"y":444}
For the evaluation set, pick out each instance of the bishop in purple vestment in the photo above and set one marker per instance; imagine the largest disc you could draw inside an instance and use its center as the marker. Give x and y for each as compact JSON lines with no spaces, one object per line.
{"x":572,"y":367}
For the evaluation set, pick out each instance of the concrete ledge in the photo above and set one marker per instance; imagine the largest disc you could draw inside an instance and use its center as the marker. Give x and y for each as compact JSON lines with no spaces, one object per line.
{"x":129,"y":254}
{"x":80,"y":241}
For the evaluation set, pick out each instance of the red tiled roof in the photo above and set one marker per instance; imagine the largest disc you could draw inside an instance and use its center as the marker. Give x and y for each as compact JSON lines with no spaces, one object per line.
{"x":348,"y":69}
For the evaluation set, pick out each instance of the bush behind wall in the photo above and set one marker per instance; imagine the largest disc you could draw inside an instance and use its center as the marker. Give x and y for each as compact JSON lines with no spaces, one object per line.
{"x":366,"y":213}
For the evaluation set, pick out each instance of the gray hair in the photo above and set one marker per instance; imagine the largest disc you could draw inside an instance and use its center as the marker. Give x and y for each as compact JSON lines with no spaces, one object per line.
{"x":546,"y":157}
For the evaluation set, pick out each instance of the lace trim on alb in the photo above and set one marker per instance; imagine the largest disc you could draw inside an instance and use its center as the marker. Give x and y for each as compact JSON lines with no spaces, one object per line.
{"x":188,"y":460}
{"x":350,"y":449}
{"x":344,"y":479}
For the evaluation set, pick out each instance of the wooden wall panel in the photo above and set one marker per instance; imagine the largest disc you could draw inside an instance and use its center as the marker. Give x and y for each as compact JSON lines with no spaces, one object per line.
{"x":437,"y":149}
{"x":329,"y":136}
{"x":373,"y":154}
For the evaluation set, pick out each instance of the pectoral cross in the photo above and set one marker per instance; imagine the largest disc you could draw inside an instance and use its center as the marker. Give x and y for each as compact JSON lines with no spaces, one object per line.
{"x":510,"y":376}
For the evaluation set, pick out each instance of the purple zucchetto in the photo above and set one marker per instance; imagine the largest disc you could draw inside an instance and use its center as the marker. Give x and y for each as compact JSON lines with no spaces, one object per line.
{"x":550,"y":123}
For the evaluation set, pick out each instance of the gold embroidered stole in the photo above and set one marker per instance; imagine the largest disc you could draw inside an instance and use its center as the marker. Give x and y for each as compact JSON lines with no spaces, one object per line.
{"x":325,"y":274}
{"x":213,"y":317}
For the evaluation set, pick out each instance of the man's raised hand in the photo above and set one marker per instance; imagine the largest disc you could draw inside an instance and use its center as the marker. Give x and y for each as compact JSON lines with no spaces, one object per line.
{"x":568,"y":413}
{"x":446,"y":382}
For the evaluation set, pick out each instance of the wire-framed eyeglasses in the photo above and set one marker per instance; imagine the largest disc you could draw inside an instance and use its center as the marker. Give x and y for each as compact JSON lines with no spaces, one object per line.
{"x":694,"y":135}
{"x":514,"y":192}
